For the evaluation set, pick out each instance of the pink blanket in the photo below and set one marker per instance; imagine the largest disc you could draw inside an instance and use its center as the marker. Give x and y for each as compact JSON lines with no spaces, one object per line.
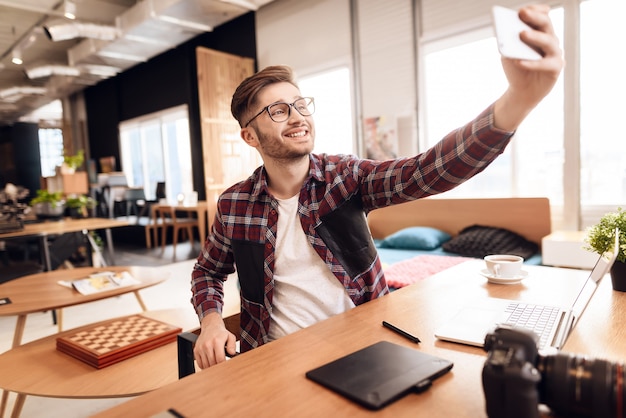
{"x":404,"y":273}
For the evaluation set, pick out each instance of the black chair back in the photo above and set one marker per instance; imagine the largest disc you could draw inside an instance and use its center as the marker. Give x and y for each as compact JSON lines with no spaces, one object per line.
{"x":160,"y":191}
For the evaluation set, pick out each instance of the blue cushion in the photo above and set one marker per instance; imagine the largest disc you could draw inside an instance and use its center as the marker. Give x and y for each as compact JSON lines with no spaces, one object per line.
{"x":416,"y":238}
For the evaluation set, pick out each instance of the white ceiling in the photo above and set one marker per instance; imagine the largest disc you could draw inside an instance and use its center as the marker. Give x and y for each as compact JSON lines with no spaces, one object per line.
{"x":109,"y":36}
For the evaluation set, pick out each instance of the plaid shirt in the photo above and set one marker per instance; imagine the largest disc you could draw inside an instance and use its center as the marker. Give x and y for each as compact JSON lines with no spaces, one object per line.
{"x":244,"y":230}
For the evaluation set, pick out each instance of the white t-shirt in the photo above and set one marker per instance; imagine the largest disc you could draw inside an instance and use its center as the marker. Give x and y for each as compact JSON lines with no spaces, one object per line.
{"x":305,"y":290}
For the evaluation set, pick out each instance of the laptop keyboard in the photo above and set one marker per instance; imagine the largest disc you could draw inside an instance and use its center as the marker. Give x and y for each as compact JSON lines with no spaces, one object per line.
{"x":537,"y":318}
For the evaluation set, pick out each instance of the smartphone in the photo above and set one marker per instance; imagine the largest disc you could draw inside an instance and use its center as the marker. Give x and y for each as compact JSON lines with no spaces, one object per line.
{"x":508,"y":26}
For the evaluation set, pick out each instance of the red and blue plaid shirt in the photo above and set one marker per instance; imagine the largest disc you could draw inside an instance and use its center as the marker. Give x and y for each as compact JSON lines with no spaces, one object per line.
{"x":244,"y":230}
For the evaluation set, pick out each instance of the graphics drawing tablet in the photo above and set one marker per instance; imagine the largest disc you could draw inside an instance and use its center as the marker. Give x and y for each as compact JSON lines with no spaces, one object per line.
{"x":379,"y":374}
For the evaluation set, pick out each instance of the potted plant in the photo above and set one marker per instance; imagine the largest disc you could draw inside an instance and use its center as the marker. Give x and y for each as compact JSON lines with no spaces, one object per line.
{"x":600,"y":238}
{"x":72,"y":162}
{"x":48,"y":204}
{"x":78,"y":205}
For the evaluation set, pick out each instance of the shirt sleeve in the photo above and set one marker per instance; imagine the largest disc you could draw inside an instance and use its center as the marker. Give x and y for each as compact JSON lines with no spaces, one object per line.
{"x":212,"y":268}
{"x":459,"y":156}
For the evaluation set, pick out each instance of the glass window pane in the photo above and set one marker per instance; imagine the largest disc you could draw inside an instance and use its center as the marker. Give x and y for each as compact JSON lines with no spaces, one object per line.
{"x":153,"y":157}
{"x":133,"y":167}
{"x":176,"y":137}
{"x":333,"y":110}
{"x":461,"y":81}
{"x":454,"y":97}
{"x":602,"y":92}
{"x":50,"y":150}
{"x":156,"y":149}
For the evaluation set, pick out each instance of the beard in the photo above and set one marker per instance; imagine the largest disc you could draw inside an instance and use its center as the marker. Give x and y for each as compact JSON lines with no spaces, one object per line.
{"x":284,"y":150}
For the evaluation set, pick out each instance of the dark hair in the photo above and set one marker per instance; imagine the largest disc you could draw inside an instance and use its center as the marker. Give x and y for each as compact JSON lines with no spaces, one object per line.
{"x":245,"y":97}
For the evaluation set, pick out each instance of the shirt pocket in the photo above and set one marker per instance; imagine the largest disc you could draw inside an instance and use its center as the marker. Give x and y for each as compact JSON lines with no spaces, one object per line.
{"x":253,"y":330}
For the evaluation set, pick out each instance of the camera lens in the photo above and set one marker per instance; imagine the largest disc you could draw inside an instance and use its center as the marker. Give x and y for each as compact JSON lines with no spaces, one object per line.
{"x":579,"y":386}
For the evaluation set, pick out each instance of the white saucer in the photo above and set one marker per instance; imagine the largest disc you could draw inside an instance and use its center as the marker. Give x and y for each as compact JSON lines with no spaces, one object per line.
{"x":504,"y":280}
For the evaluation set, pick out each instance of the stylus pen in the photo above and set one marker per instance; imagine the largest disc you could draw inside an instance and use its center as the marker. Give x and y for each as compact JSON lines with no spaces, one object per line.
{"x":401,"y":332}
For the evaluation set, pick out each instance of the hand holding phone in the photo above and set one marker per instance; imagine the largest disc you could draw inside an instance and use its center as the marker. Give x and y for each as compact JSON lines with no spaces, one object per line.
{"x":508,"y":26}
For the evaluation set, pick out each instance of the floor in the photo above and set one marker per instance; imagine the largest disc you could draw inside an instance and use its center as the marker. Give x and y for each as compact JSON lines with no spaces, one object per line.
{"x":171,"y":294}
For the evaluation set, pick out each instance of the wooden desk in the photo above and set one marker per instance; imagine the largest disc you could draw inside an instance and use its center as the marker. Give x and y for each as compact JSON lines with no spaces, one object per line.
{"x":38,"y":368}
{"x":41,"y":292}
{"x":201,"y":210}
{"x":45,"y":229}
{"x":270,"y":380}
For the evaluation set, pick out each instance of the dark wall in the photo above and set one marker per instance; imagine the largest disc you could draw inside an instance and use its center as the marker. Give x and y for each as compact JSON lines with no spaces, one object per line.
{"x":7,"y":164}
{"x":165,"y":81}
{"x":25,"y":140}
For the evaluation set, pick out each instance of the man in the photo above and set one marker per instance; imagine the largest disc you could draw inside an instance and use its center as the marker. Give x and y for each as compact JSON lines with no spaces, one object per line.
{"x":296,"y":229}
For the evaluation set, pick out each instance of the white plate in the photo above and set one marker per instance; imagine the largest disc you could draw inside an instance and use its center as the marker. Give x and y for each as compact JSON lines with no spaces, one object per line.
{"x":503,"y":280}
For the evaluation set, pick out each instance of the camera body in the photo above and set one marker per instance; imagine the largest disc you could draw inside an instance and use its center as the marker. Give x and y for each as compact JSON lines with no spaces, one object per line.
{"x":510,"y":378}
{"x":517,"y":379}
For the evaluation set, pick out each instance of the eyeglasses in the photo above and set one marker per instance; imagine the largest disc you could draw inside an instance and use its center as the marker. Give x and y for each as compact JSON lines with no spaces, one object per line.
{"x":281,"y":111}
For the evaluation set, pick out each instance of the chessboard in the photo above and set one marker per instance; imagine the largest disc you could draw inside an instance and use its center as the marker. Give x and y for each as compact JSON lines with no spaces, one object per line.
{"x":110,"y":342}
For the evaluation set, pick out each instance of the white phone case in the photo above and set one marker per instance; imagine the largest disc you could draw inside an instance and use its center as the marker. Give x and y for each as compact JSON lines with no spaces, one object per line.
{"x":508,"y":26}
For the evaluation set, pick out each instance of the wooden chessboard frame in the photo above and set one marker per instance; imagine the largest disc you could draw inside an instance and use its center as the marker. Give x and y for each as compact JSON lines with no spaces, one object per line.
{"x":95,"y":346}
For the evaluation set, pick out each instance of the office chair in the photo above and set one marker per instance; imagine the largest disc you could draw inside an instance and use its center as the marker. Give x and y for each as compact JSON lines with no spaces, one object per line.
{"x":154,"y":222}
{"x":159,"y":194}
{"x":169,"y":218}
{"x":134,"y":198}
{"x":160,"y":191}
{"x":186,"y":340}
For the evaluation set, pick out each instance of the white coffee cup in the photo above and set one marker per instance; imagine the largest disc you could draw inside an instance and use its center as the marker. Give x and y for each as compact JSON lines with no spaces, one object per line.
{"x":504,"y":265}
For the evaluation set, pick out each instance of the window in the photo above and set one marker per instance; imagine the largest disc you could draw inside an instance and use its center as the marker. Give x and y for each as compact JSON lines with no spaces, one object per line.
{"x":333,"y":110}
{"x":462,"y":78}
{"x":155,"y":148}
{"x":50,"y":150}
{"x":602,"y":92}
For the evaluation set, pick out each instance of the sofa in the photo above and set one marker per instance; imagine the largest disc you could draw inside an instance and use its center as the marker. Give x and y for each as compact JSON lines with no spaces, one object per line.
{"x":419,"y":238}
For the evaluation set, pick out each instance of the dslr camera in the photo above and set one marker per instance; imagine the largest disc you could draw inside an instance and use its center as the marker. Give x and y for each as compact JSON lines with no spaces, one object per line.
{"x":517,"y":380}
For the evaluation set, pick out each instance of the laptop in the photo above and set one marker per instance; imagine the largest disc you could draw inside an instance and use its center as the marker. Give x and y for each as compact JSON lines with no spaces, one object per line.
{"x":552,"y":324}
{"x":381,"y":373}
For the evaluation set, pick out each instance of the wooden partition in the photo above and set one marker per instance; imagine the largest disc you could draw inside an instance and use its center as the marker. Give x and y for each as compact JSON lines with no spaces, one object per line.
{"x":227,"y":159}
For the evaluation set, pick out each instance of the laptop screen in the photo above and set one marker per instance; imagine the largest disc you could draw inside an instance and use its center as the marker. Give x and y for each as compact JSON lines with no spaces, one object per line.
{"x":597,"y":273}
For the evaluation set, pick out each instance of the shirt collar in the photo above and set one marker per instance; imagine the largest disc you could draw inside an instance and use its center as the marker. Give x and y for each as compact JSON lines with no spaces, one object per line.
{"x":260,"y":176}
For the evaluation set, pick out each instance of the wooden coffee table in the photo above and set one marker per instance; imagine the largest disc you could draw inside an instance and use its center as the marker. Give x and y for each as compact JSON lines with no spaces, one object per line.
{"x":38,"y":368}
{"x":41,"y":292}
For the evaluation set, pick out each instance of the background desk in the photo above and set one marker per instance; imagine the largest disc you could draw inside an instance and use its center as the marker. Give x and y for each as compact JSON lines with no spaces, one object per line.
{"x":270,"y":380}
{"x":43,"y":230}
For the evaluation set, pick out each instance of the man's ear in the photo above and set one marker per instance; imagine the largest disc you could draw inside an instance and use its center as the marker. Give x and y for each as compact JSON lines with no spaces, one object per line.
{"x":249,"y":136}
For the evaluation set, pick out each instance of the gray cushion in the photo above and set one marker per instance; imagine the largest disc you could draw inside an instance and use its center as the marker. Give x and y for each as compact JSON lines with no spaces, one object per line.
{"x":479,"y":241}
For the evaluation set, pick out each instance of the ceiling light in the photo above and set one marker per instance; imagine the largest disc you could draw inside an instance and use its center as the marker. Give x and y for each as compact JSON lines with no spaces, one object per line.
{"x":13,"y":94}
{"x":122,"y":56}
{"x":69,"y":9}
{"x":16,"y":57}
{"x":65,"y":31}
{"x":185,"y":23}
{"x":101,"y":70}
{"x":48,"y":70}
{"x":242,"y":3}
{"x":166,"y":43}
